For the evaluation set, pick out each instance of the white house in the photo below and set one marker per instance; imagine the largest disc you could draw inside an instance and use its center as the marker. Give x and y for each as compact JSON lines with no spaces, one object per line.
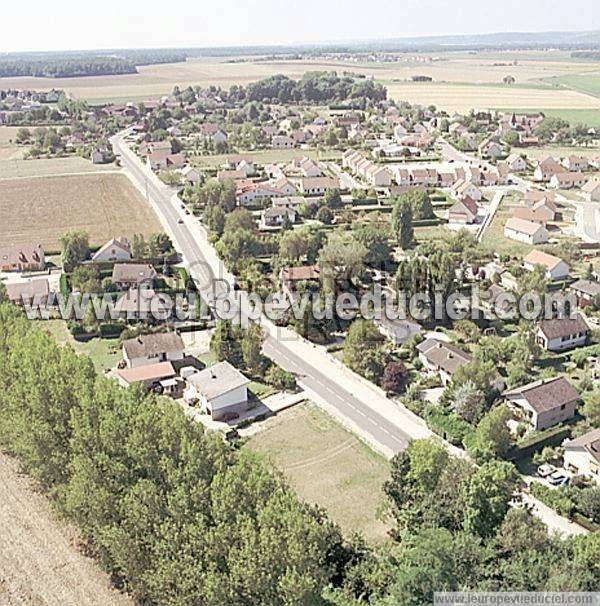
{"x":567,"y":180}
{"x":582,"y":455}
{"x":397,"y":331}
{"x":116,"y":249}
{"x":556,"y":268}
{"x":516,"y":163}
{"x":547,"y":168}
{"x":544,"y":403}
{"x":525,"y":231}
{"x":221,"y":390}
{"x":153,"y":349}
{"x":316,"y":186}
{"x":560,"y":334}
{"x":591,"y":190}
{"x":462,"y":188}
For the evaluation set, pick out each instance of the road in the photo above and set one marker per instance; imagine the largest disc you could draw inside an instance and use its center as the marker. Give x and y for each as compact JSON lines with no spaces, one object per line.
{"x":376,"y":419}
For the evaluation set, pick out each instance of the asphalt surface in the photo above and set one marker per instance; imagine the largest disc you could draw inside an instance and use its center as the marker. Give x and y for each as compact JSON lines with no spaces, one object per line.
{"x":373,"y":427}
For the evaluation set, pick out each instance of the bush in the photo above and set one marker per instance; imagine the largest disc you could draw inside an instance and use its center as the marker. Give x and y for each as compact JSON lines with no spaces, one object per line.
{"x":556,"y":499}
{"x":449,"y":426}
{"x":280,"y":379}
{"x":111,"y":330}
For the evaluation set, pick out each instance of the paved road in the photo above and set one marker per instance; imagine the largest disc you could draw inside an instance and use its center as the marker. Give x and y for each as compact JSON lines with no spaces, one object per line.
{"x":337,"y":393}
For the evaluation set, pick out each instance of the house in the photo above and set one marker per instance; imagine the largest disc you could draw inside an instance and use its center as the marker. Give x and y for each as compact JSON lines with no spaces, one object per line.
{"x":221,"y":391}
{"x":582,"y":455}
{"x":22,"y":258}
{"x":490,"y":149}
{"x":284,"y":185}
{"x":397,"y":331}
{"x":252,"y":193}
{"x":292,"y":202}
{"x":462,"y":188}
{"x":160,"y":160}
{"x":379,"y":176}
{"x":575,"y":163}
{"x":132,"y":275}
{"x":532,"y":196}
{"x":276,"y":216}
{"x":230,"y":175}
{"x":555,"y":267}
{"x":282,"y":142}
{"x":563,"y":333}
{"x":544,"y":403}
{"x":464,"y":211}
{"x":541,"y":214}
{"x":316,"y":186}
{"x":116,"y":249}
{"x":547,"y":168}
{"x":567,"y":180}
{"x":310,"y":168}
{"x":190,"y":175}
{"x":591,"y":190}
{"x":586,"y":292}
{"x":516,"y":163}
{"x":525,"y":231}
{"x":29,"y":292}
{"x":441,"y":357}
{"x":98,"y":156}
{"x":290,"y":277}
{"x":153,"y":348}
{"x":160,"y":377}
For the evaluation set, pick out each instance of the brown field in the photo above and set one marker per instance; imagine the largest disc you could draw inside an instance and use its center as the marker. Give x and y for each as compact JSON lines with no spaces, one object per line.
{"x":457,"y":76}
{"x":8,"y":149}
{"x":39,"y":563}
{"x":42,"y":209}
{"x":327,"y":466}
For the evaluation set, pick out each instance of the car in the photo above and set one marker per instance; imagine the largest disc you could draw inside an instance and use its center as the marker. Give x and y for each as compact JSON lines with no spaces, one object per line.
{"x":187,"y":212}
{"x":545,"y":470}
{"x":230,"y":416}
{"x":180,"y":221}
{"x":558,"y":478}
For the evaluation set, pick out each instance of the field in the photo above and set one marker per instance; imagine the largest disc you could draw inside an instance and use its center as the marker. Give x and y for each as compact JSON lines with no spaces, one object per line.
{"x":39,"y":562}
{"x":549,"y":79}
{"x":9,"y":149}
{"x":591,"y":117}
{"x":71,"y":165}
{"x":327,"y":466}
{"x":42,"y":209}
{"x":559,"y":151}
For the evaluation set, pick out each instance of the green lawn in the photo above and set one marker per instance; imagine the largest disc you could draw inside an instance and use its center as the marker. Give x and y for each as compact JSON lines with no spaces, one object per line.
{"x":327,"y":466}
{"x":266,"y":156}
{"x":584,"y":83}
{"x":590,"y":117}
{"x":105,"y":353}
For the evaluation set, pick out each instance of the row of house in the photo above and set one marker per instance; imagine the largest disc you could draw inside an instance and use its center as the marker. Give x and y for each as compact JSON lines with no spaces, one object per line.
{"x":374,"y":174}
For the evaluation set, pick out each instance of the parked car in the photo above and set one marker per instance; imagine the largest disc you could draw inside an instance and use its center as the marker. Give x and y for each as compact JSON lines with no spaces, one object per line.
{"x":230,"y":416}
{"x":558,"y":478}
{"x":545,"y":470}
{"x":180,"y":221}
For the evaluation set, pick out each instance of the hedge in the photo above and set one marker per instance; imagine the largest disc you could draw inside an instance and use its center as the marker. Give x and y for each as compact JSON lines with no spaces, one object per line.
{"x":63,"y":284}
{"x":111,"y":330}
{"x":537,"y":441}
{"x":449,"y":426}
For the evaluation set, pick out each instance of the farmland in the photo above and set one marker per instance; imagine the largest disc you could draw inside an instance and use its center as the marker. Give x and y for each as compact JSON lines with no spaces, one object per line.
{"x":17,"y":168}
{"x":8,"y":149}
{"x":39,"y":561}
{"x":42,"y":209}
{"x":327,"y":466}
{"x":461,"y":80}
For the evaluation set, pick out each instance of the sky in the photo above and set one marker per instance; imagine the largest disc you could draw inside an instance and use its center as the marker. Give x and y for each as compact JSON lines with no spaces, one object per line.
{"x":68,"y":25}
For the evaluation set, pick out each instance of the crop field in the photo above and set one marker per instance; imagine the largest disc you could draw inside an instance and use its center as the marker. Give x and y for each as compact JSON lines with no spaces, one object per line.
{"x":42,"y":209}
{"x":461,"y":80}
{"x":17,"y":168}
{"x":39,"y":561}
{"x":327,"y":466}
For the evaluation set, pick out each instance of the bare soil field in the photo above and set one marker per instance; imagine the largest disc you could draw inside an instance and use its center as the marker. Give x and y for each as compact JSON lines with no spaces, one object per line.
{"x":327,"y":466}
{"x":39,"y":563}
{"x":42,"y":209}
{"x":8,"y":149}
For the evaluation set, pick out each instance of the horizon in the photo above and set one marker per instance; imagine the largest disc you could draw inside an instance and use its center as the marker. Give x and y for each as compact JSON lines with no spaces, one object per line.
{"x":143,"y":26}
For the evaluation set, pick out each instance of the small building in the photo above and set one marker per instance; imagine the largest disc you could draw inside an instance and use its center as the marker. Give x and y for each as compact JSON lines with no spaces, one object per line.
{"x":442,"y":357}
{"x":591,"y":190}
{"x":116,"y":249}
{"x":276,"y":216}
{"x":190,"y":175}
{"x":292,"y":202}
{"x":547,"y":168}
{"x":150,"y":349}
{"x":464,"y":211}
{"x":544,"y":403}
{"x":582,"y":455}
{"x":555,"y":267}
{"x":160,"y":377}
{"x":462,"y":188}
{"x":560,"y":334}
{"x":133,"y":275}
{"x":490,"y":149}
{"x":567,"y":180}
{"x":26,"y":293}
{"x":282,"y":142}
{"x":397,"y":331}
{"x":525,"y":231}
{"x":22,"y":258}
{"x":290,"y":277}
{"x":575,"y":163}
{"x":516,"y":163}
{"x":586,"y":292}
{"x":221,"y":391}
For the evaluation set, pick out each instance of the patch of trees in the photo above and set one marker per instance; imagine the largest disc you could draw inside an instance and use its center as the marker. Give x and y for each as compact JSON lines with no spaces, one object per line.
{"x":68,"y":67}
{"x":314,"y":87}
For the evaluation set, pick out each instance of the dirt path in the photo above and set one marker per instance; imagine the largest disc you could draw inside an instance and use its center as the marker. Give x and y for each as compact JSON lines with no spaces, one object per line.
{"x":39,"y":565}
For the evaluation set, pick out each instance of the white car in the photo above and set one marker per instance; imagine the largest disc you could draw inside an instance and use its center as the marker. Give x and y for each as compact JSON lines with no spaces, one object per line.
{"x":545,"y":470}
{"x":558,"y":478}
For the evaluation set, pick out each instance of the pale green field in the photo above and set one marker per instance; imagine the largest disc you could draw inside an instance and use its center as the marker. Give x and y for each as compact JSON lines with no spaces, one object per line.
{"x":18,"y":168}
{"x":327,"y":466}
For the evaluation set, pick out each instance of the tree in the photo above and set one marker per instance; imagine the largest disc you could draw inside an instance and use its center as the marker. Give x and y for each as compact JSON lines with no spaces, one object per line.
{"x":225,"y":343}
{"x":86,"y":279}
{"x":468,"y":401}
{"x":363,"y":350}
{"x":333,"y":198}
{"x":488,"y":496}
{"x":375,"y":239}
{"x":280,"y":379}
{"x":394,"y":377}
{"x":492,"y":437}
{"x":591,"y":409}
{"x":342,"y":258}
{"x":402,"y":223}
{"x":325,"y":215}
{"x":240,"y":218}
{"x":252,"y":349}
{"x":75,"y":249}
